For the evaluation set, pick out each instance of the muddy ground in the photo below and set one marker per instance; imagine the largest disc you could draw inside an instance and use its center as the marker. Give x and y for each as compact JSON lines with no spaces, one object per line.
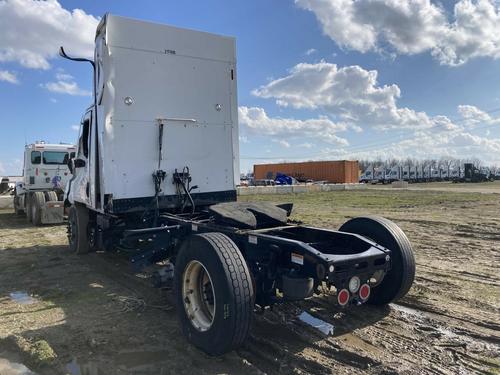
{"x":93,"y":315}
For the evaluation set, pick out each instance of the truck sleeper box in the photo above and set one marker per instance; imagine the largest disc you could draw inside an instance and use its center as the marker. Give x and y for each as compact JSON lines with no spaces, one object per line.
{"x":150,"y":74}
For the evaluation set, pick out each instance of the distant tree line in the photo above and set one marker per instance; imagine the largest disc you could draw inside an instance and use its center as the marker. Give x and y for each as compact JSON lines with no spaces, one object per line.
{"x":444,"y":163}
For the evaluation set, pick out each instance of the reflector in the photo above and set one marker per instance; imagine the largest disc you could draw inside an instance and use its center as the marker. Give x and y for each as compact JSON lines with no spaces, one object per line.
{"x":343,"y":297}
{"x":364,"y":292}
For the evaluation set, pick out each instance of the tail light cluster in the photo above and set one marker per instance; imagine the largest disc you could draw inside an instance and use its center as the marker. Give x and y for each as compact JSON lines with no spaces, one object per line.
{"x":363,"y":292}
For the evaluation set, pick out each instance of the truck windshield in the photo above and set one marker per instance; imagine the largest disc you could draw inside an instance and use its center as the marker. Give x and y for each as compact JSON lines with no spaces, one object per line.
{"x":55,"y":157}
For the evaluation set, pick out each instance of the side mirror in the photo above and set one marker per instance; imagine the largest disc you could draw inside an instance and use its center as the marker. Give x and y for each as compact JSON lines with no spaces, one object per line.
{"x":79,"y":163}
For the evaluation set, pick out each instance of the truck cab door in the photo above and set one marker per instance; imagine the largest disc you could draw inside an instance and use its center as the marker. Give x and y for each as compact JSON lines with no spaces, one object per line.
{"x":80,"y":184}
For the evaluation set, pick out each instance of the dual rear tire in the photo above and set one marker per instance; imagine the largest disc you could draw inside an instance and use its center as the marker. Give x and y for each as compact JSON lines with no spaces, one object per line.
{"x":37,"y":201}
{"x":34,"y":203}
{"x":214,"y":293}
{"x":213,"y":287}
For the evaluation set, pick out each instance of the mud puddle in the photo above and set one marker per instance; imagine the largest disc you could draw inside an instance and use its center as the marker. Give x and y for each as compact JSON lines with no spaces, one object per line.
{"x":10,"y":365}
{"x":144,"y":361}
{"x":22,"y":298}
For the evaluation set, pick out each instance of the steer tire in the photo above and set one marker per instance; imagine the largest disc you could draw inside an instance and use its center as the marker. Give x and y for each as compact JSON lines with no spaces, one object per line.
{"x":398,"y":281}
{"x":37,"y":202}
{"x":78,"y":220}
{"x":51,"y":196}
{"x":228,"y":278}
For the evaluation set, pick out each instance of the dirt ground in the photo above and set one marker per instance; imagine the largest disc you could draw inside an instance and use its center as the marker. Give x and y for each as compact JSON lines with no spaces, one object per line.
{"x":93,"y":315}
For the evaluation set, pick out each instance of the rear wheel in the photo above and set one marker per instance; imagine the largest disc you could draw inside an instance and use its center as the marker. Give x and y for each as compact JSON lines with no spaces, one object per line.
{"x":398,"y":281}
{"x":78,"y":220}
{"x":51,"y":196}
{"x":214,"y":293}
{"x":37,"y":202}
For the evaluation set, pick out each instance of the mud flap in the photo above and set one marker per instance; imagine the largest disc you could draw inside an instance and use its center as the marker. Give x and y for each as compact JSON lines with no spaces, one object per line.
{"x":52,"y":212}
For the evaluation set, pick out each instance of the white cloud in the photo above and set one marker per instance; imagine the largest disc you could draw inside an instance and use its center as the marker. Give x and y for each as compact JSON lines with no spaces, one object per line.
{"x":243,"y":139}
{"x":12,"y":167}
{"x":473,"y":116}
{"x":306,"y":145}
{"x":350,"y":93}
{"x":412,"y":26}
{"x":53,"y":100}
{"x":310,"y":51}
{"x":257,"y":121}
{"x":61,"y":76}
{"x":425,"y":145}
{"x":62,"y":87}
{"x":7,"y":76}
{"x":282,"y":142}
{"x":32,"y":31}
{"x":350,"y":98}
{"x":75,"y":127}
{"x":65,"y":84}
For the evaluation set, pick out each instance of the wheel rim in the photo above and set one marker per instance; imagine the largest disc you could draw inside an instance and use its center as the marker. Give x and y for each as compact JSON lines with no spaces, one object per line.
{"x":198,"y":296}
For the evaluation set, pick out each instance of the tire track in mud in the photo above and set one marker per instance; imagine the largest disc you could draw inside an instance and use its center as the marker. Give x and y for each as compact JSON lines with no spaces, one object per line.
{"x":407,"y":339}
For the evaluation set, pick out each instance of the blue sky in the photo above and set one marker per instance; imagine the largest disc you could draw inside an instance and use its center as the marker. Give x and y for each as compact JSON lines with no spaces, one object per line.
{"x":323,"y":79}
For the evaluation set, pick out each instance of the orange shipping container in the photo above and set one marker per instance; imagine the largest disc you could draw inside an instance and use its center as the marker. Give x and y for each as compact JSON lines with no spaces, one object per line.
{"x":338,"y":171}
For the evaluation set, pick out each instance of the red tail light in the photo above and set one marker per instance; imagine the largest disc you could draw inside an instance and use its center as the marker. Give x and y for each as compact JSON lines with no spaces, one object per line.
{"x":343,"y":297}
{"x":364,"y":292}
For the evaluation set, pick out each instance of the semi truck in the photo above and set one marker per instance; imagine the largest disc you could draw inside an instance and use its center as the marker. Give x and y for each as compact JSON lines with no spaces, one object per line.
{"x":155,"y":177}
{"x":39,"y":196}
{"x":474,"y":174}
{"x":367,"y":175}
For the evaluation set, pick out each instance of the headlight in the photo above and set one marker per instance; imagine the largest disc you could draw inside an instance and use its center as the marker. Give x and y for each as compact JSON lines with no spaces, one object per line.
{"x":354,"y":284}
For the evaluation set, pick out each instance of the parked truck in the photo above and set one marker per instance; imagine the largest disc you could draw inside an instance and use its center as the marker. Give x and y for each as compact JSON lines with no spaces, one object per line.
{"x":473,"y":174}
{"x":368,"y":175}
{"x":155,"y":175}
{"x":395,"y":173}
{"x":39,"y":196}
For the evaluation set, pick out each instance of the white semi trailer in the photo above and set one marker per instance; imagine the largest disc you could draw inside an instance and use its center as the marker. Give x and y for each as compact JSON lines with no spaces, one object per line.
{"x":39,"y":195}
{"x":155,"y":174}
